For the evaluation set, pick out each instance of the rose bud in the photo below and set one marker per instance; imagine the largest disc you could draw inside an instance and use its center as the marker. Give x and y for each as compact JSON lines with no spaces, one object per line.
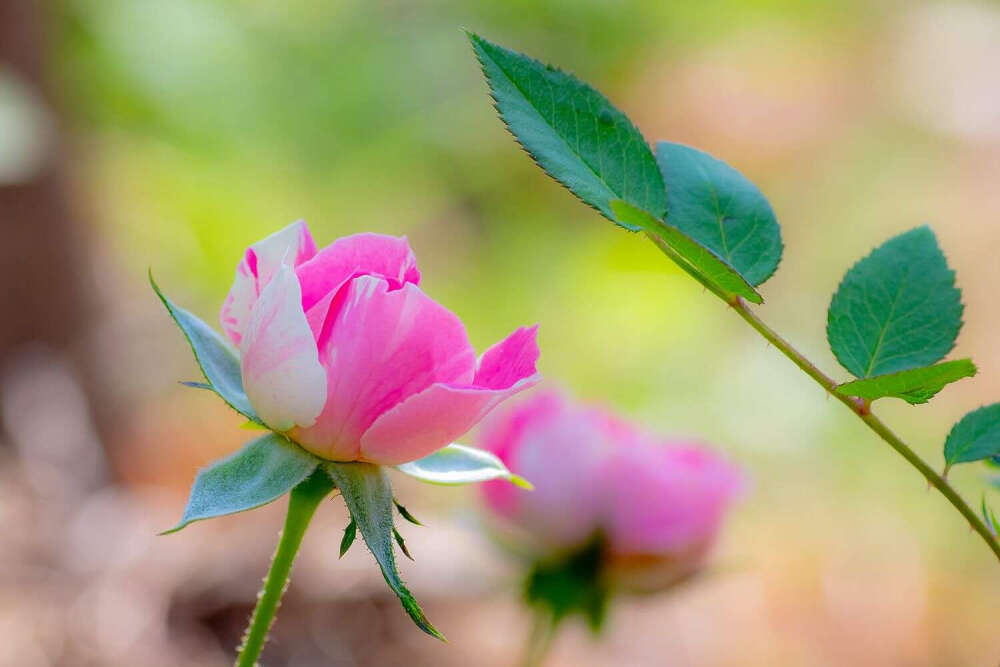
{"x":342,"y":352}
{"x":613,"y":506}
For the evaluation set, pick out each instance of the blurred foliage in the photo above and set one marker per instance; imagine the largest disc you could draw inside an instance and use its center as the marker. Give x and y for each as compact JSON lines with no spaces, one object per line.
{"x":572,"y":583}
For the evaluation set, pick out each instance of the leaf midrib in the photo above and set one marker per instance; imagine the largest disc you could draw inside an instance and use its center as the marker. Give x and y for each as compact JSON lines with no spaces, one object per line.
{"x":719,"y":216}
{"x":888,"y":319}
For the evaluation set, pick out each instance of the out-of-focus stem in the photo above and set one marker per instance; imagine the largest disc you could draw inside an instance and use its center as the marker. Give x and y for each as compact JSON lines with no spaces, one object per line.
{"x":543,"y":630}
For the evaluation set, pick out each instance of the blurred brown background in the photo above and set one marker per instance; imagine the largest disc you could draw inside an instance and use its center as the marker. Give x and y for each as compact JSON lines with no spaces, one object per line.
{"x":173,"y":134}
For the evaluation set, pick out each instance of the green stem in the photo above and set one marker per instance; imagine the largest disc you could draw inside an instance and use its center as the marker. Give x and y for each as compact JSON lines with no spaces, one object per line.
{"x":302,"y":503}
{"x":543,"y":630}
{"x":863,"y":410}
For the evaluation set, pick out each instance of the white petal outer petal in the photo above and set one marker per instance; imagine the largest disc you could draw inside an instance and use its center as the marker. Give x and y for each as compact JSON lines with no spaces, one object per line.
{"x":293,"y":244}
{"x":239,"y":302}
{"x":282,"y":375}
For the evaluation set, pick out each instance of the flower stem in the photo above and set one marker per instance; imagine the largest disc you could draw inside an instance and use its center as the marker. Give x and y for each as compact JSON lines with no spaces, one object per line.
{"x":543,"y":630}
{"x":863,"y":410}
{"x":302,"y":503}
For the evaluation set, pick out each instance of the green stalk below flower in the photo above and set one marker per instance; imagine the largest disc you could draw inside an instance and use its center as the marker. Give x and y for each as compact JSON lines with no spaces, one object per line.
{"x":302,"y":504}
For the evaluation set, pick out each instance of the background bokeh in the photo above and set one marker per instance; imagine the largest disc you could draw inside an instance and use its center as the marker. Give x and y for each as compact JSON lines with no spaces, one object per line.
{"x":137,"y":134}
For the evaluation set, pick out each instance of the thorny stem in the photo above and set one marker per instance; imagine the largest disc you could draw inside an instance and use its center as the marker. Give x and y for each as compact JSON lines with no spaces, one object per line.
{"x":304,"y":500}
{"x":860,"y":407}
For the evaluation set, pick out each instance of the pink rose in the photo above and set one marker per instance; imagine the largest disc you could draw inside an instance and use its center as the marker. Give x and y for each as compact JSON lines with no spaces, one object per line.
{"x":654,"y":502}
{"x":341,"y":351}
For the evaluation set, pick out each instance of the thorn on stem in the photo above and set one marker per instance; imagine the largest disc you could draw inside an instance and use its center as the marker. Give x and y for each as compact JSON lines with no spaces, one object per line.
{"x":401,"y":543}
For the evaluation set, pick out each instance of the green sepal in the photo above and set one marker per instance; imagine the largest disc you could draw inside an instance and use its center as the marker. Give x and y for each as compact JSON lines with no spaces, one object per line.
{"x":572,"y":132}
{"x":896,"y":309}
{"x":198,"y":385}
{"x":349,"y":534}
{"x":703,"y":264}
{"x":405,"y":513}
{"x":458,"y":464}
{"x":216,"y":359}
{"x":976,"y":436}
{"x":915,"y":386}
{"x":721,"y":209}
{"x":368,"y":494}
{"x":572,"y":583}
{"x":262,"y":471}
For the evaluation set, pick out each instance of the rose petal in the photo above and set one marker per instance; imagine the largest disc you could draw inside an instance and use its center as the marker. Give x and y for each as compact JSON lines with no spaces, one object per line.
{"x":444,"y":411}
{"x":388,"y":257}
{"x":282,"y":375}
{"x":510,"y":360}
{"x":380,"y":346}
{"x":293,"y":244}
{"x":566,"y":454}
{"x":667,"y":499}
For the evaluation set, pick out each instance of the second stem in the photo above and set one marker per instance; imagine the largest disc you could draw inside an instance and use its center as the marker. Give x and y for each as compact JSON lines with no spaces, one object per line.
{"x":863,"y":410}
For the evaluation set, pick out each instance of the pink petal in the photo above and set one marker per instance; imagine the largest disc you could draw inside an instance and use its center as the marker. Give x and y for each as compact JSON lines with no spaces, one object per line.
{"x":387,"y":257}
{"x":566,"y":455}
{"x":444,"y":411}
{"x":380,"y":346}
{"x":293,"y":244}
{"x":509,"y":361}
{"x":562,"y":448}
{"x":502,"y":434}
{"x":282,"y":374}
{"x":667,"y":499}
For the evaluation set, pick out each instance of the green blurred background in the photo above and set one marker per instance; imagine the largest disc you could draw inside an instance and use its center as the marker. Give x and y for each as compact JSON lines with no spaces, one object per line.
{"x":173,"y":134}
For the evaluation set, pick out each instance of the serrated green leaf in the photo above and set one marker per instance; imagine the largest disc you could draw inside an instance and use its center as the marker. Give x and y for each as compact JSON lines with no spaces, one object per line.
{"x":348,"y":539}
{"x":263,"y":471}
{"x":573,"y":132}
{"x":721,"y":209}
{"x":896,"y":309}
{"x":217,"y":361}
{"x":366,"y":490}
{"x":976,"y":436}
{"x":402,"y":543}
{"x":405,"y":513}
{"x":458,"y":464}
{"x":917,"y":385}
{"x":696,"y":259}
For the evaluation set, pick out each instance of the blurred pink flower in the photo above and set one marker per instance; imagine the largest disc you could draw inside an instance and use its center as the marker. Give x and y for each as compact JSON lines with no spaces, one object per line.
{"x":342,"y":351}
{"x":652,"y":501}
